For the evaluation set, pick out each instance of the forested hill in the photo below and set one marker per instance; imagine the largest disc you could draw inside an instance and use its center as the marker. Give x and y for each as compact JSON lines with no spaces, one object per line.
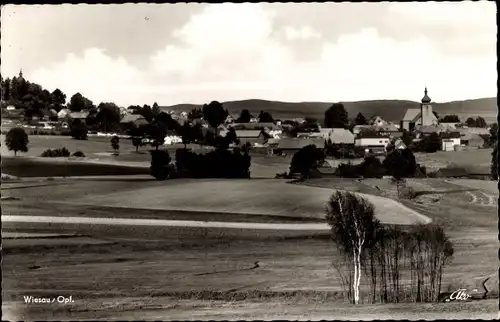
{"x":390,"y":110}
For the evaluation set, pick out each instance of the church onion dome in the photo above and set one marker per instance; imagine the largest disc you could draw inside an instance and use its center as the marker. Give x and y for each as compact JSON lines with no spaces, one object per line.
{"x":426,"y":99}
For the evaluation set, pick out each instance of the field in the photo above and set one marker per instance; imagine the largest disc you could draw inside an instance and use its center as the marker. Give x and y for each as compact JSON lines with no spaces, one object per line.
{"x":480,"y":158}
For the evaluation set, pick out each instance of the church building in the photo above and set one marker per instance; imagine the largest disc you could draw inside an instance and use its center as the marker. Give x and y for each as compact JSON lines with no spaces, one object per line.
{"x":423,"y":116}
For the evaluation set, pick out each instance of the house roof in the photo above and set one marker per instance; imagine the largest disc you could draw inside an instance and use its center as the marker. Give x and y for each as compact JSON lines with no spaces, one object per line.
{"x":341,"y":136}
{"x":411,"y":114}
{"x":248,"y":133}
{"x":427,"y":129}
{"x":472,"y":137}
{"x":388,"y":128}
{"x":476,"y":130}
{"x":78,"y":115}
{"x":130,"y":118}
{"x":370,"y":135}
{"x":297,"y":144}
{"x":255,"y":126}
{"x":450,"y":135}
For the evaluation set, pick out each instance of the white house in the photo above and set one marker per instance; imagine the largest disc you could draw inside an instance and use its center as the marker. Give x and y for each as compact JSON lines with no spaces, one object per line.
{"x":449,"y":140}
{"x":11,"y":108}
{"x":419,"y":116}
{"x":371,"y":141}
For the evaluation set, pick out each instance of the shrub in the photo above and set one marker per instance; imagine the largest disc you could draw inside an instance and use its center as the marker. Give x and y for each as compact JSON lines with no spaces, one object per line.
{"x":61,"y":152}
{"x":371,"y":167}
{"x":407,"y":193}
{"x":160,"y":161}
{"x":306,"y":160}
{"x":219,"y":163}
{"x":79,"y":154}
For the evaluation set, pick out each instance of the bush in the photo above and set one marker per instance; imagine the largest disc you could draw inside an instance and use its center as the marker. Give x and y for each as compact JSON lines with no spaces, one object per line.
{"x":371,"y":167}
{"x":306,"y":160}
{"x":215,"y":164}
{"x":407,"y":193}
{"x":61,"y":152}
{"x":160,"y":161}
{"x":347,"y":170}
{"x":79,"y":154}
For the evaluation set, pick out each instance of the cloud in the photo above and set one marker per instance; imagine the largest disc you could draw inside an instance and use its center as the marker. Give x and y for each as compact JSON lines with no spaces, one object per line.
{"x":303,"y":33}
{"x":233,"y":51}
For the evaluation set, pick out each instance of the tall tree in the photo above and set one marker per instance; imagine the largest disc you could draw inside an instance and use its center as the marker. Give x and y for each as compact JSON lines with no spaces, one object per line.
{"x":17,"y":140}
{"x":265,"y":117}
{"x":115,"y":144}
{"x":108,"y":116}
{"x":353,"y":224}
{"x":147,"y":113}
{"x":470,"y":122}
{"x":494,"y":162}
{"x":6,"y":90}
{"x":493,"y":134}
{"x":245,"y":117}
{"x":77,"y":103}
{"x":186,"y":132}
{"x":481,"y":122}
{"x":360,"y":119}
{"x":214,"y":113}
{"x":195,"y":113}
{"x":58,"y":99}
{"x":336,"y":117}
{"x":155,"y":110}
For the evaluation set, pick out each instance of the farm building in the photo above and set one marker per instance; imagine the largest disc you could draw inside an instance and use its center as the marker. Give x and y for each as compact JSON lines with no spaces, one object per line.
{"x":473,"y":130}
{"x":419,"y":116}
{"x":252,"y":136}
{"x":389,"y":130}
{"x":359,"y":128}
{"x":449,"y":140}
{"x":451,"y":125}
{"x":292,"y":145}
{"x":472,"y":140}
{"x":341,"y":136}
{"x":78,"y":116}
{"x":372,"y":141}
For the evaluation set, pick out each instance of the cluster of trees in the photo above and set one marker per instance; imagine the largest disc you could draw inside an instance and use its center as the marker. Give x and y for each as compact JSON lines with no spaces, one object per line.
{"x":450,"y":119}
{"x":384,"y":253}
{"x":399,"y":164}
{"x":477,"y":122}
{"x":219,"y":163}
{"x":30,"y":96}
{"x":429,"y":144}
{"x":245,"y":117}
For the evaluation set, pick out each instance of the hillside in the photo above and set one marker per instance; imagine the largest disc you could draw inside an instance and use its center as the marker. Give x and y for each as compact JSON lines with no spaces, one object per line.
{"x":390,"y":110}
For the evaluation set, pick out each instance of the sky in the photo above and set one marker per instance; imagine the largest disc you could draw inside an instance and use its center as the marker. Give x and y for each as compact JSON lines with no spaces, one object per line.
{"x":196,"y":53}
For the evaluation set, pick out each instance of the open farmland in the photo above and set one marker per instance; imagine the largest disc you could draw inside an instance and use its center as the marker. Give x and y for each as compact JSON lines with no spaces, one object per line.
{"x":477,"y":158}
{"x":258,"y":196}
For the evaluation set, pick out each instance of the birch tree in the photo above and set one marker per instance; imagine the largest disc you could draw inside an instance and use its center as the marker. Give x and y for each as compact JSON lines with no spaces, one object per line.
{"x":353,"y":224}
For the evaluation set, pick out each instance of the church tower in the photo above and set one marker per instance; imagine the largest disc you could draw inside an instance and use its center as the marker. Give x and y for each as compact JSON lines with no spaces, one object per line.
{"x":426,"y":110}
